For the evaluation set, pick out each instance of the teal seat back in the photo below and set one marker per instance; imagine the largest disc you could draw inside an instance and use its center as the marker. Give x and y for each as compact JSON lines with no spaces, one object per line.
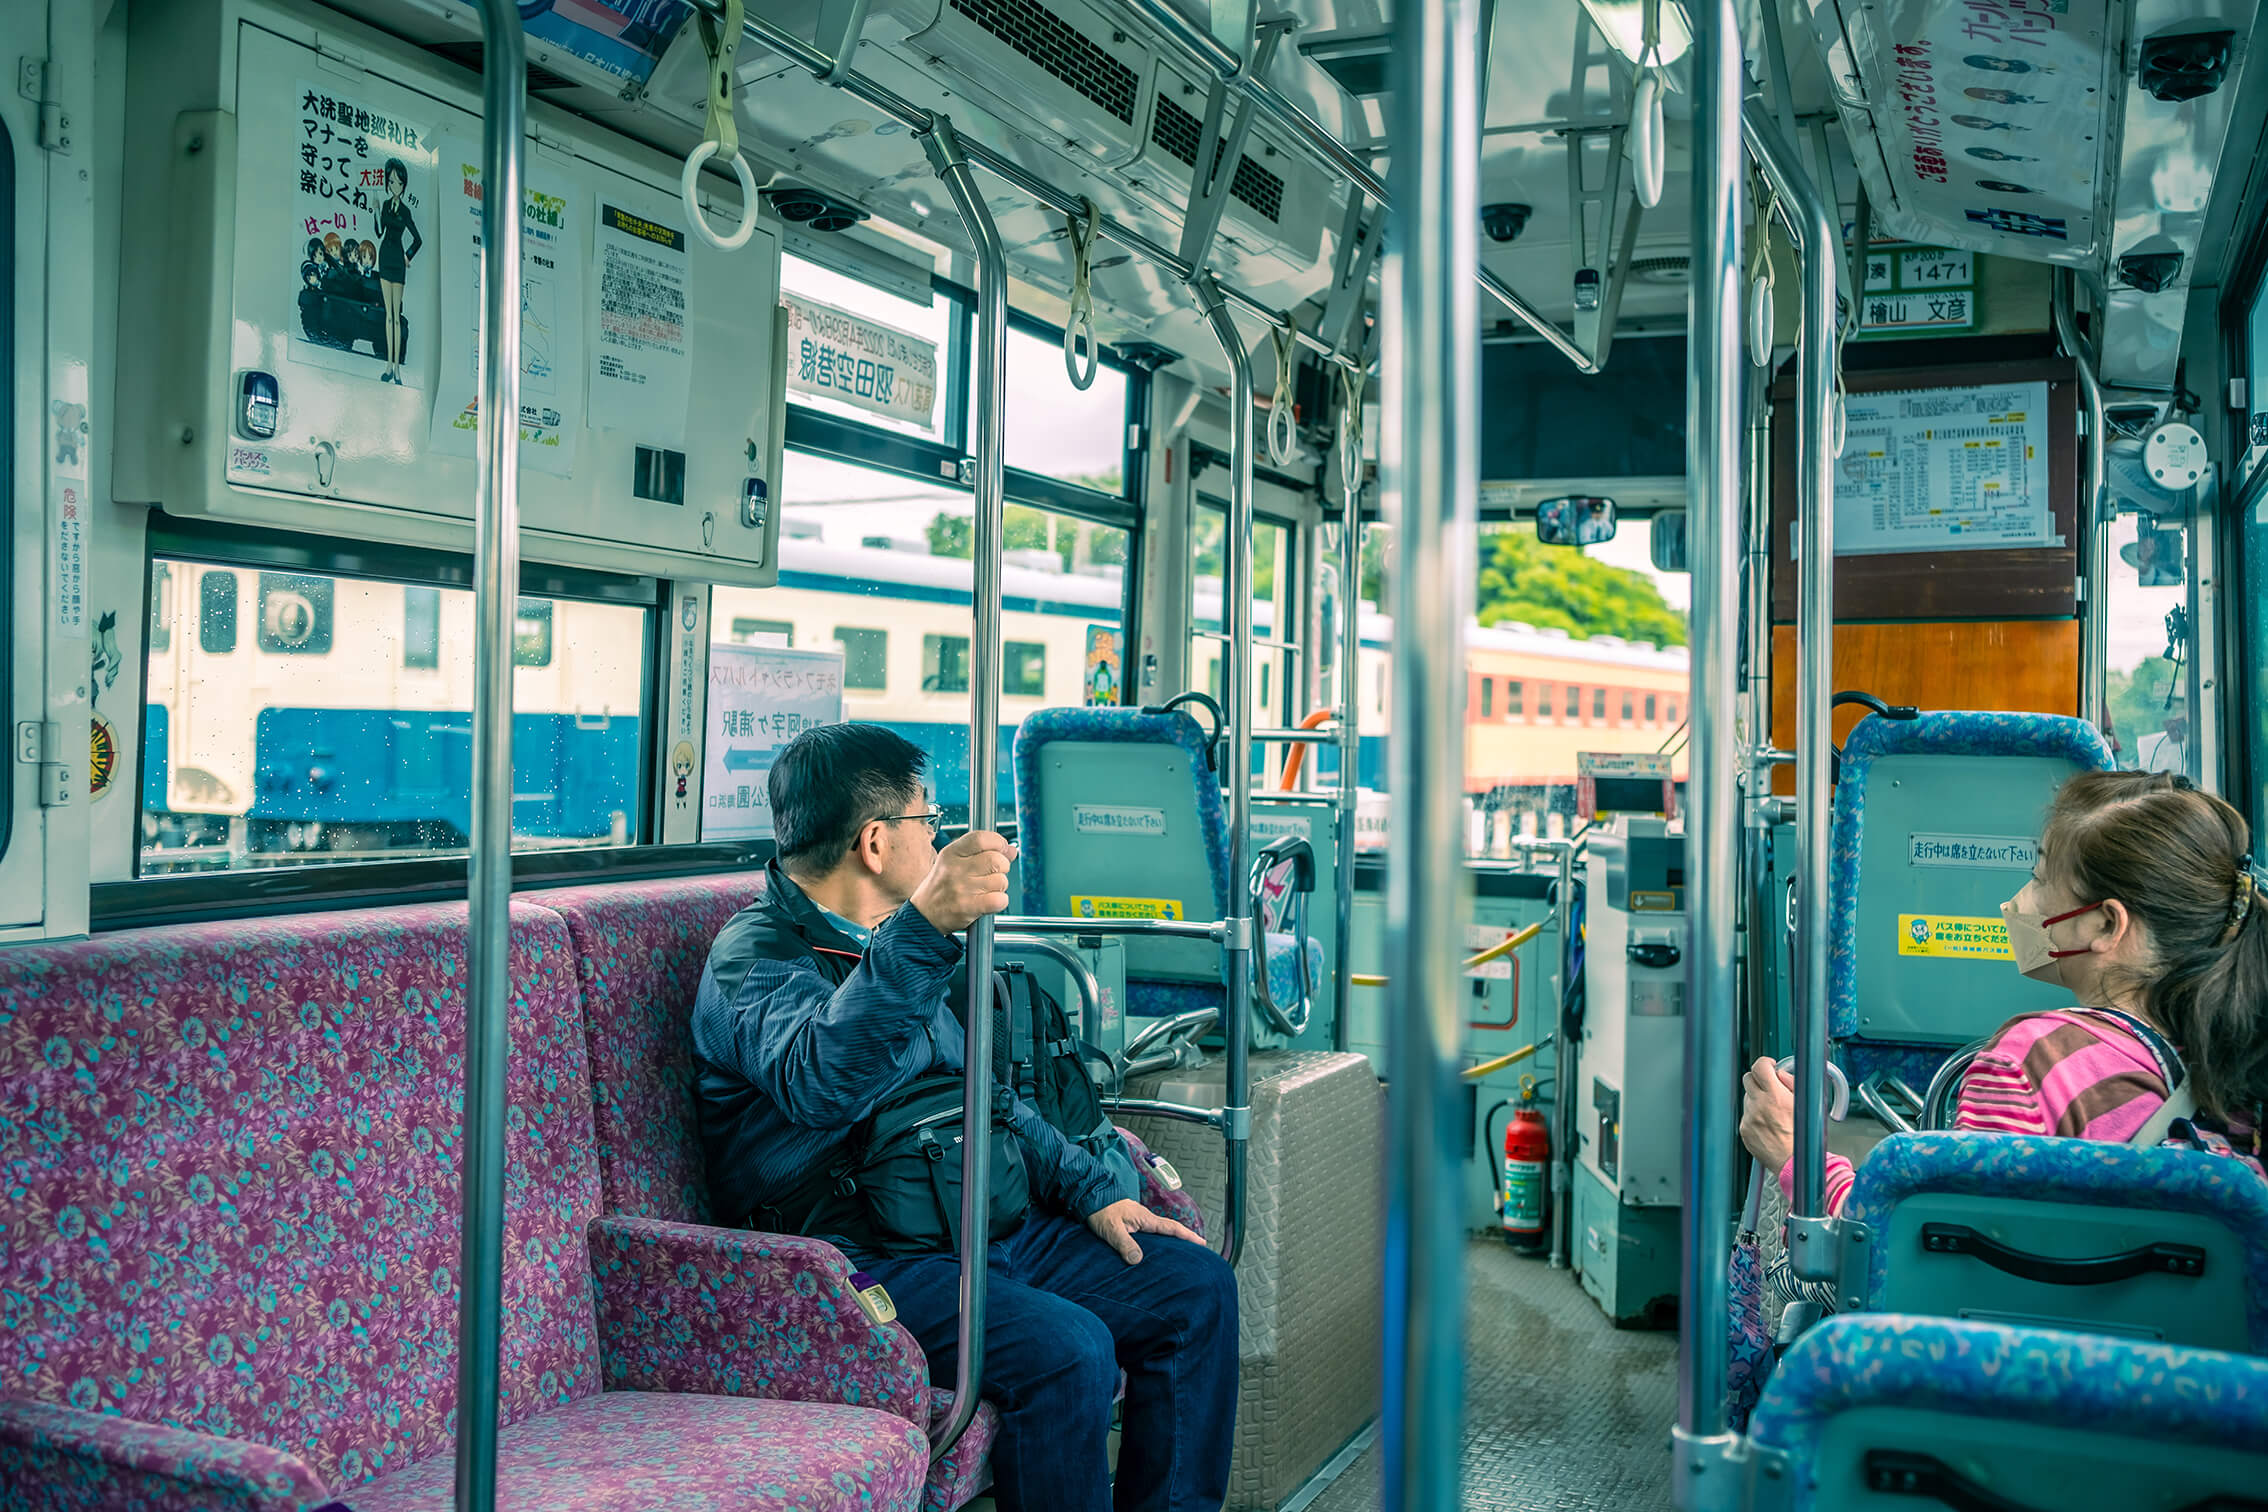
{"x":2167,"y":1244}
{"x":1936,"y":823}
{"x":1119,"y":814}
{"x":1897,"y":1414}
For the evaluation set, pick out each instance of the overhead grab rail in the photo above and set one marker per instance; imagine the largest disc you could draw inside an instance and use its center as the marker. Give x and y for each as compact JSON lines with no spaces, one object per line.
{"x":1496,"y":952}
{"x":720,"y":131}
{"x":1818,"y":237}
{"x":952,"y":167}
{"x":496,"y":547}
{"x":1339,"y":158}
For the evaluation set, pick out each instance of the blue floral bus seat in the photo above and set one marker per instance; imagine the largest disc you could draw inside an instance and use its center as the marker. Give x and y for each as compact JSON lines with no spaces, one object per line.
{"x":2167,"y":1244}
{"x":1888,"y":1413}
{"x":1119,"y":812}
{"x":1936,"y":823}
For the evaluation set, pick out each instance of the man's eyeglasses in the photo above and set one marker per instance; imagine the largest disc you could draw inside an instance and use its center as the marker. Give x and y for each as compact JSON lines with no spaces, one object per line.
{"x":931,"y":816}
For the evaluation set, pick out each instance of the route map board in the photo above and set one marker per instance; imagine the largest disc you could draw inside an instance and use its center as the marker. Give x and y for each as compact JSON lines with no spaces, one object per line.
{"x":1955,"y":469}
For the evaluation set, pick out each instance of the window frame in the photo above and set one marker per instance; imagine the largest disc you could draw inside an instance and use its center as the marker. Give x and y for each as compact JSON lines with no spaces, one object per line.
{"x":317,"y":885}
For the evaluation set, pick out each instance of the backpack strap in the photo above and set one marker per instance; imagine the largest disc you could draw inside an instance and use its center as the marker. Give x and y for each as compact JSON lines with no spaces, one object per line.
{"x":2181,"y":1104}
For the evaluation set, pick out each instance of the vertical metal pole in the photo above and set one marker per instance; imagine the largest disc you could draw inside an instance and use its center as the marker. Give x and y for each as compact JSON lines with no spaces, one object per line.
{"x":1350,"y":751}
{"x":1819,"y":244}
{"x":1236,"y":674}
{"x":1715,"y":370}
{"x":496,"y":590}
{"x":944,"y":150}
{"x":1430,"y":459}
{"x":2094,"y":522}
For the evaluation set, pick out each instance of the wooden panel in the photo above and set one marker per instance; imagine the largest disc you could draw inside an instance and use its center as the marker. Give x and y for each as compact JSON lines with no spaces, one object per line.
{"x":2025,"y":666}
{"x":1942,"y":585}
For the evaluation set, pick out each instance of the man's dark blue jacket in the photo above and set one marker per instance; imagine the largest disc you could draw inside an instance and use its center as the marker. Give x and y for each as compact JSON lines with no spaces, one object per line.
{"x":798,"y":1035}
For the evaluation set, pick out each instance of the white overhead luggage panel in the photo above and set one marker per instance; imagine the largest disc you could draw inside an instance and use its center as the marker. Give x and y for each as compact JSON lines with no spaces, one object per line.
{"x":305,"y":289}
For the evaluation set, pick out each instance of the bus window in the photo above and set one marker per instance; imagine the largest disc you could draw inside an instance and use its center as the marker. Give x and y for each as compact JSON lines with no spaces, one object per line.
{"x":161,"y":609}
{"x":930,"y":322}
{"x":1023,"y":670}
{"x":861,"y":543}
{"x":2148,"y":695}
{"x":866,"y":658}
{"x":421,"y":629}
{"x":944,"y":664}
{"x":1275,"y":647}
{"x":216,"y":612}
{"x":1061,"y":432}
{"x":295,"y":614}
{"x":762,"y":632}
{"x":342,"y":727}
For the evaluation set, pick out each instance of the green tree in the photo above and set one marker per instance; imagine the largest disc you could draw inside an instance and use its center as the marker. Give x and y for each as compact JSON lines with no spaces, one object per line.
{"x":1023,"y":528}
{"x":2137,"y":702}
{"x":1556,"y":587}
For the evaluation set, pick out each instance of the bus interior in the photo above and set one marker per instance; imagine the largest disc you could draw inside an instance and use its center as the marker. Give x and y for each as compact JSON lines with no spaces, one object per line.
{"x":1501,"y":561}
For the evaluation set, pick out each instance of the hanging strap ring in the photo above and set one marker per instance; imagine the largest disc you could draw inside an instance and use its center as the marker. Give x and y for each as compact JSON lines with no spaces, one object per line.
{"x":720,"y":132}
{"x":1079,"y":321}
{"x":1283,"y":432}
{"x":1761,"y":277}
{"x":1352,"y":381}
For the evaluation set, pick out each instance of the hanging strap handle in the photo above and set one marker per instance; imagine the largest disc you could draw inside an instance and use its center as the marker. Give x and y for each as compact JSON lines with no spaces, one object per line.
{"x":1080,"y":321}
{"x":720,"y":131}
{"x":1352,"y":382}
{"x":1283,"y":432}
{"x":1761,"y":272}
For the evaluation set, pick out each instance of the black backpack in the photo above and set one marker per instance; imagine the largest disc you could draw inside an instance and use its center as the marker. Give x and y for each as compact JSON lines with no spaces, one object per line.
{"x":1047,"y":1061}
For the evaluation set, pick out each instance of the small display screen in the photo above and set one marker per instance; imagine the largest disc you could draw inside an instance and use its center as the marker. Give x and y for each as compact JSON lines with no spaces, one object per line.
{"x":1629,"y":795}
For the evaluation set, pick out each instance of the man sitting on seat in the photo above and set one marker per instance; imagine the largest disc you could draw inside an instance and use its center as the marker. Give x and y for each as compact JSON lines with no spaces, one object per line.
{"x":828,"y":996}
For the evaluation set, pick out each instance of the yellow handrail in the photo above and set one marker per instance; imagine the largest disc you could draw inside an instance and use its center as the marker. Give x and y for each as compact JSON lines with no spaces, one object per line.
{"x":1489,"y":1068}
{"x":1496,"y":952}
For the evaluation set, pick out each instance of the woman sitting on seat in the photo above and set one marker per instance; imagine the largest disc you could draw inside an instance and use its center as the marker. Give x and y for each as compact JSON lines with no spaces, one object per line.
{"x":2146,"y":906}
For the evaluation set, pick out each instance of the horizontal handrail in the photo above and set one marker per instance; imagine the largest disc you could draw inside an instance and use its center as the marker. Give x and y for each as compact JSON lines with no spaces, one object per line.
{"x":1491,"y":1067}
{"x":1496,"y":952}
{"x":1172,"y":929}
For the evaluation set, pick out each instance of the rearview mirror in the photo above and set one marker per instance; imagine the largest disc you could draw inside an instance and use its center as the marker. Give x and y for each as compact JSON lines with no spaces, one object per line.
{"x":1667,"y":547}
{"x":1575,"y":521}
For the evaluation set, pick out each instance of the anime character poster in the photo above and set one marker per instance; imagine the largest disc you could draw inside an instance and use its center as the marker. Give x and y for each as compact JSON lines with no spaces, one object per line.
{"x":361,"y":213}
{"x":1103,"y":664}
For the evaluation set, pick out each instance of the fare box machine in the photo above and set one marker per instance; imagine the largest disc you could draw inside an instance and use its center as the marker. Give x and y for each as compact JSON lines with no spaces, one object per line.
{"x":1629,"y":1083}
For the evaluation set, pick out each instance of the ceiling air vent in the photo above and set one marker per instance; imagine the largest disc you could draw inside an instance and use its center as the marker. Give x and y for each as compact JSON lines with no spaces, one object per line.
{"x":1052,"y":43}
{"x":1661,"y":270}
{"x":541,"y":80}
{"x":1179,"y":133}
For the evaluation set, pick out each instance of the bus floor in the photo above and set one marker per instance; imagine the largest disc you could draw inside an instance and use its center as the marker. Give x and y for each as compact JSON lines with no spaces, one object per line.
{"x":1562,"y":1410}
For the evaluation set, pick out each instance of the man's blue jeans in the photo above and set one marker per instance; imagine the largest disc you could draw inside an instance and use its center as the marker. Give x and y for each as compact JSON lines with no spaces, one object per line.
{"x":1065,"y":1315}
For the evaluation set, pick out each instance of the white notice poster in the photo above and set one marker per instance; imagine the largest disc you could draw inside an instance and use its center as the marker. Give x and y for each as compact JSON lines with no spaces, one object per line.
{"x":760,"y":698}
{"x":551,"y":310}
{"x":1945,"y":470}
{"x":641,"y":367}
{"x":851,"y":360}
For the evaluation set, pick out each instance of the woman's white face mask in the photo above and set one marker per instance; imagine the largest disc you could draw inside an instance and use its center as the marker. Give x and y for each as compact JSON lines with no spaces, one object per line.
{"x":2036,"y":954}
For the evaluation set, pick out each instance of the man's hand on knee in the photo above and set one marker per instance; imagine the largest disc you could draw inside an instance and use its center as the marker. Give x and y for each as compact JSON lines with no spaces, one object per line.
{"x":1117,"y":1225}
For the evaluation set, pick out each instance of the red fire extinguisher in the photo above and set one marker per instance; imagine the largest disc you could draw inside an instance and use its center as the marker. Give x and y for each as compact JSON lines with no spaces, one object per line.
{"x":1522,"y":1199}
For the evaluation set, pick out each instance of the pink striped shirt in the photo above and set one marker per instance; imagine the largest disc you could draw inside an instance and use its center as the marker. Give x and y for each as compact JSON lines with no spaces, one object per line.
{"x":2069,"y":1073}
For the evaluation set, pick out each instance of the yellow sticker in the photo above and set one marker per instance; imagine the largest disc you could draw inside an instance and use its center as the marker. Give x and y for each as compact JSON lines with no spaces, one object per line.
{"x":1961,"y":937}
{"x":1126,"y":908}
